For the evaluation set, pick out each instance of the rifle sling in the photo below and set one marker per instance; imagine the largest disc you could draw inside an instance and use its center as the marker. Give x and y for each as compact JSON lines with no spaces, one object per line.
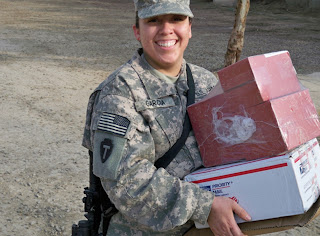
{"x":165,"y":160}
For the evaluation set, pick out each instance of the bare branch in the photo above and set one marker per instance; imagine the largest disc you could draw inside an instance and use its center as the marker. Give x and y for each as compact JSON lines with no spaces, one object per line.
{"x":236,"y":40}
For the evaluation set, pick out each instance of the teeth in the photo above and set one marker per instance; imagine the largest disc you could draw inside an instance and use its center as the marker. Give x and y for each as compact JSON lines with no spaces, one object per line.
{"x":167,"y":43}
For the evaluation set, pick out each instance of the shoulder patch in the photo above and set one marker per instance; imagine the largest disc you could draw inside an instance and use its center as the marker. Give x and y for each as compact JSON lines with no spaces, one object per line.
{"x":106,"y":148}
{"x":107,"y":154}
{"x":114,"y":124}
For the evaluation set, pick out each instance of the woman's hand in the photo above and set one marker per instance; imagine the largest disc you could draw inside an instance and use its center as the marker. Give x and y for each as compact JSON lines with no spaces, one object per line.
{"x":221,"y":218}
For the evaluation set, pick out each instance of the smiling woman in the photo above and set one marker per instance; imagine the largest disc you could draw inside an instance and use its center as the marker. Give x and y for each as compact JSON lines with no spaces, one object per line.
{"x":150,"y":93}
{"x":164,"y":39}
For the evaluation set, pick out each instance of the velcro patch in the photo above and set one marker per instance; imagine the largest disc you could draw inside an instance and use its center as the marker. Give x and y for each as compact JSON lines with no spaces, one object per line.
{"x":114,"y":124}
{"x":106,"y":148}
{"x":154,"y":103}
{"x":107,"y":154}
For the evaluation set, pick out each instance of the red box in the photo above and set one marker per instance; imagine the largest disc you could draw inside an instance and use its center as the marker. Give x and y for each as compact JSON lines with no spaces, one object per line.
{"x":237,"y":125}
{"x":273,"y":75}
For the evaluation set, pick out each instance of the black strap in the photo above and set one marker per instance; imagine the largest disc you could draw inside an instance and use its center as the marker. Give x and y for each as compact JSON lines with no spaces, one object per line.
{"x":165,"y":160}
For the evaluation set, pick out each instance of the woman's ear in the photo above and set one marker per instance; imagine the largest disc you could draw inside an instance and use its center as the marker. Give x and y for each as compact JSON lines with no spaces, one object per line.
{"x":136,"y":32}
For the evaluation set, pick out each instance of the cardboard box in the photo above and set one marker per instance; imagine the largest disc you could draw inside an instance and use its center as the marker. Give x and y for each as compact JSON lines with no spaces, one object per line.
{"x":272,"y":75}
{"x":268,"y":187}
{"x":269,"y":226}
{"x":315,"y":158}
{"x":234,"y":126}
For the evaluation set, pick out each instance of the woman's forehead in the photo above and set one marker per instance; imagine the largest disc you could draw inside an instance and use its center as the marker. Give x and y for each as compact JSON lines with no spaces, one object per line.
{"x":164,"y":16}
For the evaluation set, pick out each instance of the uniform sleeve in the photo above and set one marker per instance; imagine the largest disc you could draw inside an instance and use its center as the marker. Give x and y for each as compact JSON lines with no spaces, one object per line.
{"x":124,"y":160}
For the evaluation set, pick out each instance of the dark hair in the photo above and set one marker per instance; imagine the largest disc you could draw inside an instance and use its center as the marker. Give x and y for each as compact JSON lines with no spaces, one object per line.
{"x":137,"y":20}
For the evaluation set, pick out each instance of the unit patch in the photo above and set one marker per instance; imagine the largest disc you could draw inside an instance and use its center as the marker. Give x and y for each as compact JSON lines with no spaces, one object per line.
{"x":114,"y":124}
{"x":106,"y":148}
{"x":107,"y":154}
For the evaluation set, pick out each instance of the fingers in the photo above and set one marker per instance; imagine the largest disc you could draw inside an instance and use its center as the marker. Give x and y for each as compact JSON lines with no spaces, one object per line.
{"x":237,"y":209}
{"x":221,"y":218}
{"x":223,"y":230}
{"x":241,"y":212}
{"x":235,"y":230}
{"x":229,"y":228}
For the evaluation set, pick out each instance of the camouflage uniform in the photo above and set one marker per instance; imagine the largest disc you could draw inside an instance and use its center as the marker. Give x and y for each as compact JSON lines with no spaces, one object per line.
{"x":133,"y":118}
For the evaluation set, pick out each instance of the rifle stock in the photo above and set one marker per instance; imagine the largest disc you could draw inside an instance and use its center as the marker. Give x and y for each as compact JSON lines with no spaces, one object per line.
{"x":92,"y":206}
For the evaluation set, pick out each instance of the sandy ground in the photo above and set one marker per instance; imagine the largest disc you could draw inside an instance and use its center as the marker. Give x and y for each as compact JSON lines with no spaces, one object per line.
{"x":53,"y":53}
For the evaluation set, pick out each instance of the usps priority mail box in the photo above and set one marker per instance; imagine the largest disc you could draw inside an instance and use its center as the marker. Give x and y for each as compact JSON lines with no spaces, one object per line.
{"x":268,"y":187}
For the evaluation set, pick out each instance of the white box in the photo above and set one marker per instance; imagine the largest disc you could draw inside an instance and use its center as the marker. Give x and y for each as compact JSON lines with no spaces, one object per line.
{"x":268,"y":187}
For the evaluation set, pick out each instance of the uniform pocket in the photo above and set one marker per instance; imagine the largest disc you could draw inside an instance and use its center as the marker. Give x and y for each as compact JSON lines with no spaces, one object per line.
{"x":171,"y":126}
{"x":182,"y":164}
{"x":168,"y":129}
{"x":187,"y":160}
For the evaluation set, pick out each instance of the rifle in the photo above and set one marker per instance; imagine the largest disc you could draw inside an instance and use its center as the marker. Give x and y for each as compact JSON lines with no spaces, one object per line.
{"x":98,"y":207}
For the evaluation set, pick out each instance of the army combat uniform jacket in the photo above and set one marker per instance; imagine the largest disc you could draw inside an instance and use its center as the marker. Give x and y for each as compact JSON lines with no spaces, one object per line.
{"x":133,"y":118}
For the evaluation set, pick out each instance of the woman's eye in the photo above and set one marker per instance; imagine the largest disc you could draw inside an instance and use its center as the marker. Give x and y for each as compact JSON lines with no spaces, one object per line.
{"x":152,"y":20}
{"x":179,"y":18}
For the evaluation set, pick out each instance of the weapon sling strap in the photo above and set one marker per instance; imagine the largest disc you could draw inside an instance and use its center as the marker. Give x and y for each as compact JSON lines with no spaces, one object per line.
{"x":165,"y":160}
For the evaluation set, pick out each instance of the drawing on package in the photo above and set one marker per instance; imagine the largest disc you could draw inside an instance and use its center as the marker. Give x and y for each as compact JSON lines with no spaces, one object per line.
{"x":232,"y":129}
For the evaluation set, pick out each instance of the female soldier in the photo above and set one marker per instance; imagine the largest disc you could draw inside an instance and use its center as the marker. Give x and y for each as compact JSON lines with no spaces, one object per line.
{"x":136,"y":115}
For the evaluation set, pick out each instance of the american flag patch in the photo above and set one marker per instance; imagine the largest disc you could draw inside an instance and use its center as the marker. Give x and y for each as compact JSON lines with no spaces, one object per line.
{"x":113,"y":124}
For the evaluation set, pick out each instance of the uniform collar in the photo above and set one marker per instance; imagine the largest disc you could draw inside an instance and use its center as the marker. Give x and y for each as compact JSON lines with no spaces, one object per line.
{"x":156,"y":87}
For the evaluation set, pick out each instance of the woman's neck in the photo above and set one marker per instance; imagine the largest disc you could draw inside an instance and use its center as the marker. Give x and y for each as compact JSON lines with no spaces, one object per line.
{"x":167,"y":69}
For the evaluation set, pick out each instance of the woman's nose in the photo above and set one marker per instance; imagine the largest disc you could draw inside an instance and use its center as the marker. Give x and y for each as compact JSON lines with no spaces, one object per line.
{"x":166,"y":28}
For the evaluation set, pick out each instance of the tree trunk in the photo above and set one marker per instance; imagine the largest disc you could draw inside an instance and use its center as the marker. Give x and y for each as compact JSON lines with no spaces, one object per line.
{"x":236,"y":40}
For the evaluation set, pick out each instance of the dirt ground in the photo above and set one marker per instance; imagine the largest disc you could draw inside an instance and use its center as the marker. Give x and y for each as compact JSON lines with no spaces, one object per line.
{"x":53,"y":53}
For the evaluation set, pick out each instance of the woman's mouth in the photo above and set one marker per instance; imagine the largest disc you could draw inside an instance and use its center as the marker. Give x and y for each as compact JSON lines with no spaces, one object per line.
{"x":167,"y":43}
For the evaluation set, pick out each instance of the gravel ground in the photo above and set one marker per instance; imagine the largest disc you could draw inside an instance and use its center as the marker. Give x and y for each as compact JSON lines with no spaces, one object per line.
{"x":53,"y":53}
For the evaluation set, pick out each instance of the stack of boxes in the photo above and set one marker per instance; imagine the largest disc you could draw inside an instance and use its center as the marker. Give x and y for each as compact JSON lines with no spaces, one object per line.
{"x":256,"y":131}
